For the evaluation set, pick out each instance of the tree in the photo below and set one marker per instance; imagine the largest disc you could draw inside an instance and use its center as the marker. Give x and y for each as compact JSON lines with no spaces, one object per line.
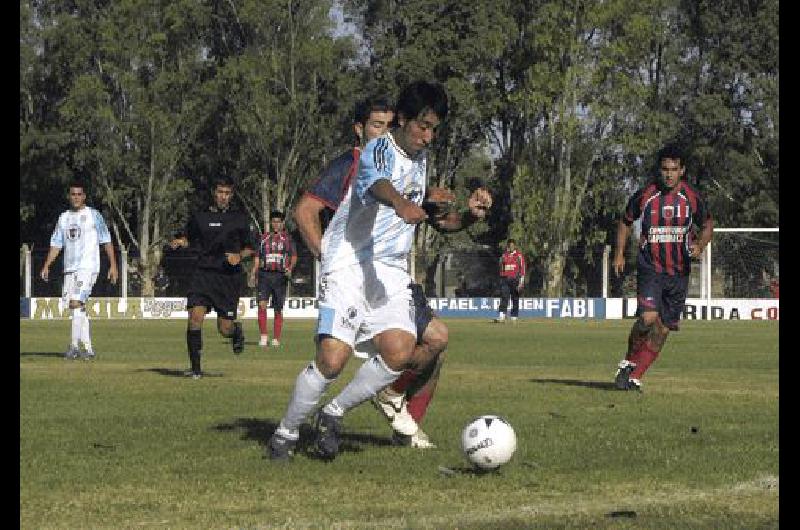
{"x":132,"y":113}
{"x":282,"y":91}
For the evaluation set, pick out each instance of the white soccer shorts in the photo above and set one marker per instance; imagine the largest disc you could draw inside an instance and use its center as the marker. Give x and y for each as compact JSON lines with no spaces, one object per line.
{"x":358,"y":302}
{"x":78,"y":285}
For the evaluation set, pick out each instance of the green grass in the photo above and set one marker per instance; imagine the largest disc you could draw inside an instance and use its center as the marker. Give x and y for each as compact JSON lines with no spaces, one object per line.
{"x":124,"y":442}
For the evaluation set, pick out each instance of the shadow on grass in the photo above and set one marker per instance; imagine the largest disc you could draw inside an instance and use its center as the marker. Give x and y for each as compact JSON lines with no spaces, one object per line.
{"x":40,"y":354}
{"x":171,"y":372}
{"x":260,"y":431}
{"x":452,"y":471}
{"x":600,"y":385}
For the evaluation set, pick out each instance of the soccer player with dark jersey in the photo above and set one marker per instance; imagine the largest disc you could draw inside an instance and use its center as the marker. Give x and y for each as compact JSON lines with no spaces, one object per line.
{"x":512,"y":280}
{"x":671,"y":211}
{"x":222,"y":237}
{"x":405,"y":402}
{"x":273,"y":264}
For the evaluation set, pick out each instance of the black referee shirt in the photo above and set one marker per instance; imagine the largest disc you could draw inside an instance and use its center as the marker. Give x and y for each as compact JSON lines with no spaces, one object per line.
{"x":214,"y":232}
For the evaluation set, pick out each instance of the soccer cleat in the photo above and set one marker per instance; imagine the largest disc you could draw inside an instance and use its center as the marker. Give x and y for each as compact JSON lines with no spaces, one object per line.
{"x":634,"y":384}
{"x":237,"y":341}
{"x":622,"y":377}
{"x":275,"y":342}
{"x":394,"y":408}
{"x":500,"y":318}
{"x":194,"y":374}
{"x":513,"y":320}
{"x":72,"y":353}
{"x":88,"y":355}
{"x":281,"y":449}
{"x":264,"y":341}
{"x":328,"y":428}
{"x":418,"y":440}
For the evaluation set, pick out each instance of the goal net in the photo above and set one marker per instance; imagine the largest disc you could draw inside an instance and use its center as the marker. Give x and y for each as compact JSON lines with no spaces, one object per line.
{"x":744,"y":263}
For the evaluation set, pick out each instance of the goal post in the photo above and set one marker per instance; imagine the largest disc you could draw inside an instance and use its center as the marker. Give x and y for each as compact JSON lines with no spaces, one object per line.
{"x":741,"y":263}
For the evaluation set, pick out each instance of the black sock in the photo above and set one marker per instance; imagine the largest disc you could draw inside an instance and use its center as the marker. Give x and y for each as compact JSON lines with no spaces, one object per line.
{"x":194,"y":343}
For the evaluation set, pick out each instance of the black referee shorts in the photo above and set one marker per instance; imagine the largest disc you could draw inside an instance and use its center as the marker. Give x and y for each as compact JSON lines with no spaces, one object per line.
{"x":217,"y":290}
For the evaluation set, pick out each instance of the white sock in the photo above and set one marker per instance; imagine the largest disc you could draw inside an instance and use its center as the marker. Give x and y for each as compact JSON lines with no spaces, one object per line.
{"x":77,"y":324}
{"x":308,"y":389}
{"x":369,"y":379}
{"x":86,"y":336}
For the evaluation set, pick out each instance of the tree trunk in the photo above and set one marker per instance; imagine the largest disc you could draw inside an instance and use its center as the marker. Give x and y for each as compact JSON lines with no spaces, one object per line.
{"x":554,"y":272}
{"x":148,"y":266}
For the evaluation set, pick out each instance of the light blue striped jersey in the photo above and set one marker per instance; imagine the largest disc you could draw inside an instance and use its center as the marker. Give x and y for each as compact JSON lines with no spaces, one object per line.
{"x":365,"y":230}
{"x":80,"y":233}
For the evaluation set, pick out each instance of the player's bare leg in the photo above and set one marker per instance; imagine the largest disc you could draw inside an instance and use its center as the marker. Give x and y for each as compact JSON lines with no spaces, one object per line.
{"x":405,"y":402}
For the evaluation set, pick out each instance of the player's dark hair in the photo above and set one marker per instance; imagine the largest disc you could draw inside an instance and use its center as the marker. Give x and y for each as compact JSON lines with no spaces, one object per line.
{"x":367,"y":106}
{"x":222,"y":180}
{"x":77,"y":183}
{"x":673,"y":151}
{"x":511,"y":241}
{"x":420,"y":97}
{"x":276,"y":214}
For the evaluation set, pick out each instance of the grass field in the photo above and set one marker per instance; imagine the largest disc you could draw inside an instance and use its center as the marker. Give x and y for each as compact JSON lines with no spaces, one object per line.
{"x":127,"y":442}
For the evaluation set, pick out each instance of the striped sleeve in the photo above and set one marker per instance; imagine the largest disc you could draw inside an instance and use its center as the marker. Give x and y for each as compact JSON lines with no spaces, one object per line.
{"x":376,"y":164}
{"x":103,"y":235}
{"x":57,"y":239}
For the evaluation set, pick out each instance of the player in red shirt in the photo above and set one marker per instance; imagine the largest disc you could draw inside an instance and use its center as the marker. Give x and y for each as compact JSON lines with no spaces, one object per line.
{"x":274,"y":262}
{"x":670,"y":211}
{"x":512,"y":280}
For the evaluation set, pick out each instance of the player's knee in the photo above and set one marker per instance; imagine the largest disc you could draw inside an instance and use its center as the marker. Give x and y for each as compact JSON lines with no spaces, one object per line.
{"x":436,"y":337}
{"x":396,"y":349}
{"x":648,"y":319}
{"x":332,"y":356}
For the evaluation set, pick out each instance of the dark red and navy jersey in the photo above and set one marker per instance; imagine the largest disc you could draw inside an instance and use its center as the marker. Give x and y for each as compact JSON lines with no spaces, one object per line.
{"x":668,"y":218}
{"x":512,"y":264}
{"x":275,"y":251}
{"x":331,"y":186}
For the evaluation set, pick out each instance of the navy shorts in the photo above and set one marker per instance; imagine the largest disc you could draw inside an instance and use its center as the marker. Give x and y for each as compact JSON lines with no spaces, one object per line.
{"x":272,"y":284}
{"x":213,"y":289}
{"x":663,"y":293}
{"x":424,"y":313}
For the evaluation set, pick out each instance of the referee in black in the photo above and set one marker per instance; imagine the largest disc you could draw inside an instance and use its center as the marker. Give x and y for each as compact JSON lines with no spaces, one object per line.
{"x":222,"y":236}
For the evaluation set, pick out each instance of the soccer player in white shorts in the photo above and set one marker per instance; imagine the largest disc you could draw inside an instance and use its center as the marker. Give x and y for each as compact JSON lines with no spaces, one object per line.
{"x":364,"y":282}
{"x":79,"y":231}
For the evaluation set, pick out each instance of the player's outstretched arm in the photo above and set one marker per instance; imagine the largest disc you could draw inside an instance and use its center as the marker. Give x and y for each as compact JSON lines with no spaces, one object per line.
{"x":306,"y":214}
{"x":478,"y":206}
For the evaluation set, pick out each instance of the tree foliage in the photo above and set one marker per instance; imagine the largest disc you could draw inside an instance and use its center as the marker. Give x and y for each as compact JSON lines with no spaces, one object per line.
{"x":558,"y":106}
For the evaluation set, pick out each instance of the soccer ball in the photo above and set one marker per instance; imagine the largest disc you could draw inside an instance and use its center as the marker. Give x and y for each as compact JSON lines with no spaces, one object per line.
{"x":488,"y":441}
